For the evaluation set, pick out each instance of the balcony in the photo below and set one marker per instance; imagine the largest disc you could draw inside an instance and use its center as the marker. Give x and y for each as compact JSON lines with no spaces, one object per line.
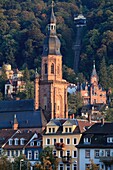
{"x":106,"y":159}
{"x":60,"y":146}
{"x":67,"y":159}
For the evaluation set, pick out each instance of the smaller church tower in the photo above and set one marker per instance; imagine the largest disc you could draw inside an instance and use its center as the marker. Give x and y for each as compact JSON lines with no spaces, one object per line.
{"x":97,"y":94}
{"x":94,"y":77}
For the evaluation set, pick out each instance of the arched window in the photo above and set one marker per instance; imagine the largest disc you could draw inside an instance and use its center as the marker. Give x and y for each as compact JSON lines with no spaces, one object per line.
{"x":45,"y":68}
{"x":52,"y":68}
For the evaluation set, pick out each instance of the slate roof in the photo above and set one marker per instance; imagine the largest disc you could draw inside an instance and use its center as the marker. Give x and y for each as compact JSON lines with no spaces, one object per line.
{"x":5,"y":135}
{"x":26,"y":116}
{"x":98,"y":134}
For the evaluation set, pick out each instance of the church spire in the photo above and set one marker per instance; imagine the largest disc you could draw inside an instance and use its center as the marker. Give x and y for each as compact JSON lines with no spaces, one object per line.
{"x":94,"y":73}
{"x":51,"y":43}
{"x":94,"y":76}
{"x":52,"y":22}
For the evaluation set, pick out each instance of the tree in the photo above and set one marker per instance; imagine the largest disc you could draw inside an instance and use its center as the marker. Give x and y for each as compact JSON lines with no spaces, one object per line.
{"x":47,"y":160}
{"x":5,"y":164}
{"x":21,"y":161}
{"x":103,"y":74}
{"x":93,"y":166}
{"x":75,"y":102}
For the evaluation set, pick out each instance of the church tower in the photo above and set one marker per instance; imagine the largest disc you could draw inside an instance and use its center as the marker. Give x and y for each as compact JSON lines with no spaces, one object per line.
{"x":97,"y":94}
{"x":53,"y":89}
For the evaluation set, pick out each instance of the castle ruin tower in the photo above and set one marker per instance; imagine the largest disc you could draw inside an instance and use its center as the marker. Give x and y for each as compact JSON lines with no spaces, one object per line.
{"x":53,"y":89}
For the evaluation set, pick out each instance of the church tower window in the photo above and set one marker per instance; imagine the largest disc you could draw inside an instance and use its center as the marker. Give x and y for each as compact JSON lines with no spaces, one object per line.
{"x":52,"y":68}
{"x":45,"y":66}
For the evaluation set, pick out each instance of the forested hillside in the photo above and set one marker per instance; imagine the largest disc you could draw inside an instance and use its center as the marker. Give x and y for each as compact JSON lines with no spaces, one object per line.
{"x":23,"y":28}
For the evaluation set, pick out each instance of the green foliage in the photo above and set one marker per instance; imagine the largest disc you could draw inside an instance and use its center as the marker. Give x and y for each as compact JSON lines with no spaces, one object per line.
{"x":47,"y":160}
{"x":21,"y":161}
{"x":75,"y":102}
{"x":5,"y":164}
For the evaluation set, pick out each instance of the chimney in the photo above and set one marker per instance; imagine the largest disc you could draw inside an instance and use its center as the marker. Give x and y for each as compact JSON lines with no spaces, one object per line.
{"x":89,"y":117}
{"x":15,"y":125}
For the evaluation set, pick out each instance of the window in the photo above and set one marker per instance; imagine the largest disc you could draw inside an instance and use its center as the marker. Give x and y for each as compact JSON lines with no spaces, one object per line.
{"x":61,"y":167}
{"x":52,"y":68}
{"x":54,"y":152}
{"x":49,"y":130}
{"x":16,"y":154}
{"x":68,"y":153}
{"x":45,"y":66}
{"x":29,"y":155}
{"x":66,"y":130}
{"x":36,"y":155}
{"x":48,"y":142}
{"x":74,"y":141}
{"x":68,"y":141}
{"x":74,"y":154}
{"x":22,"y":141}
{"x":61,"y":154}
{"x":8,"y":153}
{"x":74,"y":166}
{"x":12,"y":153}
{"x":53,"y":130}
{"x":38,"y":143}
{"x":32,"y":144}
{"x":87,"y":140}
{"x":87,"y":153}
{"x":61,"y":140}
{"x":110,"y":140}
{"x":10,"y":141}
{"x":68,"y":167}
{"x":54,"y":141}
{"x":107,"y":152}
{"x":70,"y":130}
{"x":16,"y":141}
{"x":96,"y":153}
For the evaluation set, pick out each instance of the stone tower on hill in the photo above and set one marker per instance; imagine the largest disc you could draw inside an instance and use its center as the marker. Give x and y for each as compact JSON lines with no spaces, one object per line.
{"x":51,"y":89}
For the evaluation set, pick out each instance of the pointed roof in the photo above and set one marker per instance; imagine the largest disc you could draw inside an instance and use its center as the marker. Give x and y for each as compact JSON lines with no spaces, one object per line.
{"x":52,"y":18}
{"x":94,"y":73}
{"x":15,"y":119}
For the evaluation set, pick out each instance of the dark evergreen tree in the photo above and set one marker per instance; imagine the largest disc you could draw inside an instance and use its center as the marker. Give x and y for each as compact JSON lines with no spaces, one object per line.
{"x":103,"y":76}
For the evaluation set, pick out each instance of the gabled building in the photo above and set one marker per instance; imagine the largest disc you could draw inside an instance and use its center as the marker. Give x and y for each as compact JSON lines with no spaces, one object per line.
{"x":14,"y":143}
{"x":96,"y":144}
{"x":63,"y":135}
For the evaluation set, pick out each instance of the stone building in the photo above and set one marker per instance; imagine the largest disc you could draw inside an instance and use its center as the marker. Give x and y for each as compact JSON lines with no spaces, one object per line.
{"x":51,"y":88}
{"x":93,"y":93}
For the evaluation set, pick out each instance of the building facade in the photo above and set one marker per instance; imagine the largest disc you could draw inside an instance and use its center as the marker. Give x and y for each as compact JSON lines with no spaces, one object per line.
{"x":96,"y":145}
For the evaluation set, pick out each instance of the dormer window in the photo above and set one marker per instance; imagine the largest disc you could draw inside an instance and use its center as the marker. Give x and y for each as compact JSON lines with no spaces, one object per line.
{"x":22,"y":141}
{"x":110,"y":140}
{"x":38,"y":143}
{"x":10,"y":141}
{"x":16,"y":141}
{"x":87,"y":140}
{"x":32,"y":144}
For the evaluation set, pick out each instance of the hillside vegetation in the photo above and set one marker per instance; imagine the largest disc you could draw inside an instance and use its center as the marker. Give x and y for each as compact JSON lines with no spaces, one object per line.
{"x":23,"y":26}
